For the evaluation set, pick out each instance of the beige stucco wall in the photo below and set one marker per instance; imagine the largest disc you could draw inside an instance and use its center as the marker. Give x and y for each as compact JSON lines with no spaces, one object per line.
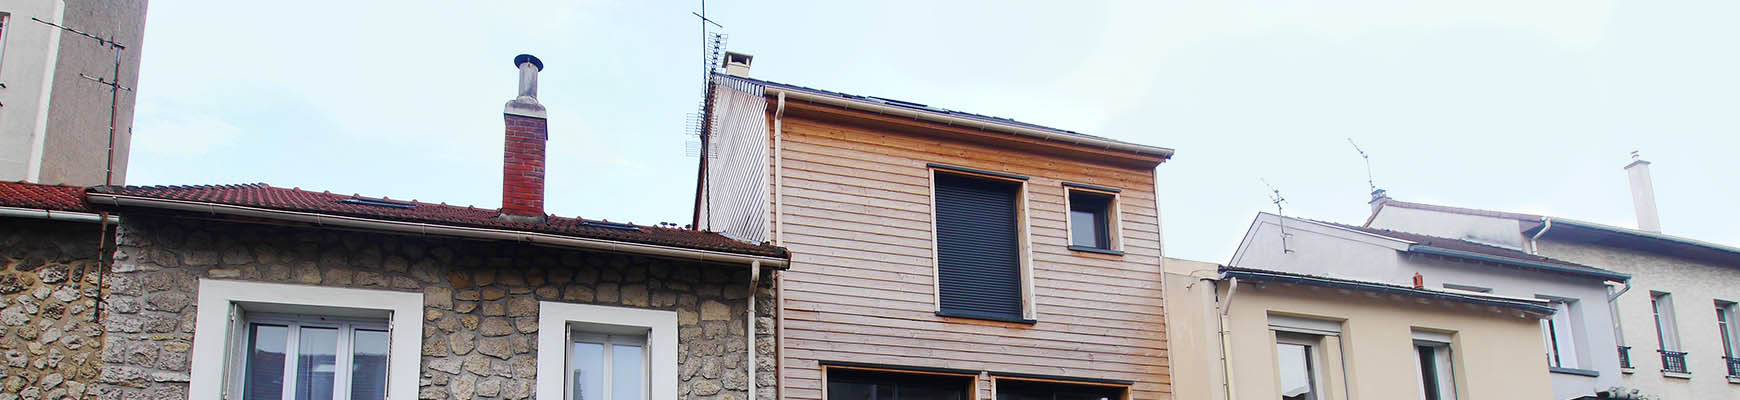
{"x":1496,"y":355}
{"x":1695,"y":288}
{"x":1191,"y":329}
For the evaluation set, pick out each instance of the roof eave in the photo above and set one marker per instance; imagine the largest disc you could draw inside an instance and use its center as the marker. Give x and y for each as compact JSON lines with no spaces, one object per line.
{"x":1642,"y":234}
{"x":1439,"y":251}
{"x":1419,"y":293}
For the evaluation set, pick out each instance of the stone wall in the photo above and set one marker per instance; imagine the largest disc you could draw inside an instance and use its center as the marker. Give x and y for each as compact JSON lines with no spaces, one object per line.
{"x":49,"y":338}
{"x":481,"y":302}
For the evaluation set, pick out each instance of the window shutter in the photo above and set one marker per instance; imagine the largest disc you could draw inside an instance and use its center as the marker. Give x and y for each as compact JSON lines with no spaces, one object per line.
{"x":978,"y":250}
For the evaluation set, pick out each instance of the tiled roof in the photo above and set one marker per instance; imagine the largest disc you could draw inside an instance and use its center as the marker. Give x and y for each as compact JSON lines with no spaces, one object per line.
{"x":1463,"y":297}
{"x":260,"y":195}
{"x":43,"y":197}
{"x":1465,"y":246}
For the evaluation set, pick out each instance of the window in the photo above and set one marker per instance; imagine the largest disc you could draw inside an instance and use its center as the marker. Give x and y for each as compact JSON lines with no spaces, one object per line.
{"x":979,"y":247}
{"x":5,"y":24}
{"x":857,"y":384}
{"x":606,"y":353}
{"x":1018,"y":389}
{"x":1559,"y":335}
{"x":1437,"y":371}
{"x":599,"y":364}
{"x":1667,"y":334}
{"x":306,"y":357}
{"x":1725,"y":325}
{"x":1299,"y":359}
{"x":301,"y":342}
{"x":1092,"y":220}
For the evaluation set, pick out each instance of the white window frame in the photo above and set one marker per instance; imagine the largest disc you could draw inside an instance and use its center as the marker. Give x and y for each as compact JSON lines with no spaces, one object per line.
{"x":220,"y":301}
{"x":557,"y":321}
{"x":1114,"y":217}
{"x":1728,"y":327}
{"x":1559,"y":334}
{"x":608,"y":341}
{"x":1444,"y":364}
{"x":1315,"y":360}
{"x":1023,"y":229}
{"x":346,"y":327}
{"x":1667,"y":330}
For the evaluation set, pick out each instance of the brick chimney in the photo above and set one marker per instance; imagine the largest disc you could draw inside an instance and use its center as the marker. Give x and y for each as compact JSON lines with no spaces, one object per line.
{"x":522,"y":180}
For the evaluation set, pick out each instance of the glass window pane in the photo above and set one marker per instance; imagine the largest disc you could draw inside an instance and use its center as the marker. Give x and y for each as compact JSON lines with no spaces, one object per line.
{"x":265,"y":365}
{"x":1083,"y":228}
{"x":316,"y":363}
{"x":1295,"y":367}
{"x":586,"y":369}
{"x":368,"y":366}
{"x":628,"y":371}
{"x":851,"y":391}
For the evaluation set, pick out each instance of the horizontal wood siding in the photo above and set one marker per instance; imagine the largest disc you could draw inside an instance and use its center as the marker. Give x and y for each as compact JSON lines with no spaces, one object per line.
{"x":860,"y":289}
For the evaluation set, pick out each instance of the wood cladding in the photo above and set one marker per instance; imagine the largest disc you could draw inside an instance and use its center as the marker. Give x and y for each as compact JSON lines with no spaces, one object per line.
{"x":861,"y":288}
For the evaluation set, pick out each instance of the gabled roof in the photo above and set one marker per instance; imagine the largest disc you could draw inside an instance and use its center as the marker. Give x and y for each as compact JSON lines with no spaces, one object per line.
{"x":43,"y":197}
{"x":1590,"y":232}
{"x":267,"y":197}
{"x":927,"y":109}
{"x":1447,"y":247}
{"x":1538,"y":308}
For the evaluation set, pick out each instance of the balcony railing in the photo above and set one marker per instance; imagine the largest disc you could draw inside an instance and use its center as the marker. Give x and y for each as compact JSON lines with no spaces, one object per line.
{"x":1625,"y":356}
{"x":1673,"y":361}
{"x":1733,"y":366}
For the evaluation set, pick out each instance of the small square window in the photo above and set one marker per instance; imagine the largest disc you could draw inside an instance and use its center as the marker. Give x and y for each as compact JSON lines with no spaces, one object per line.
{"x":1090,"y":220}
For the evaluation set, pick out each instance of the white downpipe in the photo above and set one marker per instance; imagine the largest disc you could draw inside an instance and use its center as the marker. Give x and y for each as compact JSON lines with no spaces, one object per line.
{"x":1226,"y":340}
{"x":1533,"y":247}
{"x":778,"y":174}
{"x":974,"y":123}
{"x":441,"y":230}
{"x":754,"y":280}
{"x":72,"y":216}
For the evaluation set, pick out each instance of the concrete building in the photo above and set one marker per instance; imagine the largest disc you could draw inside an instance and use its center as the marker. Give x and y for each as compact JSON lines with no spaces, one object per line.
{"x":938,"y":253}
{"x":1580,"y":327}
{"x":1677,"y":335}
{"x":54,"y":123}
{"x":1242,"y":333}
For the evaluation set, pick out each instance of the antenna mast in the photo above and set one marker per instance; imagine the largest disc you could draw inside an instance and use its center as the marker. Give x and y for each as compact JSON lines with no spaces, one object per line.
{"x":1369,"y":182}
{"x":1275,"y":197}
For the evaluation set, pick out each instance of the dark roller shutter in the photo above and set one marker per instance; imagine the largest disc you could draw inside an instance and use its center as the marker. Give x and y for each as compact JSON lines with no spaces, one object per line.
{"x":978,"y":253}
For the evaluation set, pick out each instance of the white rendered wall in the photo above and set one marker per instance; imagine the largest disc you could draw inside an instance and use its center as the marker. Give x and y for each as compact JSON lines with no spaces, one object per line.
{"x":27,"y":69}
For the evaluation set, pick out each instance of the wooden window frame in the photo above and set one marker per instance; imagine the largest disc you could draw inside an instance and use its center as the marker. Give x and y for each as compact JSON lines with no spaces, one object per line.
{"x":995,"y":378}
{"x":1023,"y":221}
{"x":1114,"y":219}
{"x":972,"y":378}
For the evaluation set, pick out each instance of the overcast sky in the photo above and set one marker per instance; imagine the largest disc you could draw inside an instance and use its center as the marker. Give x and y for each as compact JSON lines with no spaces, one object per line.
{"x":1526,"y":106}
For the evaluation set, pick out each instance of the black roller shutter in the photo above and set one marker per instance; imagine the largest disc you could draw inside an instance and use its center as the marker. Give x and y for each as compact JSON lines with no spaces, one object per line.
{"x":978,"y":249}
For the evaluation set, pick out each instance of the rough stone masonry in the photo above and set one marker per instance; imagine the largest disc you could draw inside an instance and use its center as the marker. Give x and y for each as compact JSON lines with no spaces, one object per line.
{"x":480,"y":303}
{"x":49,"y":341}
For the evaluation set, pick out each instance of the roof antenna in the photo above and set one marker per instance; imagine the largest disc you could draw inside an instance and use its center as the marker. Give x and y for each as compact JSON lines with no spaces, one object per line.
{"x":1369,"y":182}
{"x":1275,"y":197}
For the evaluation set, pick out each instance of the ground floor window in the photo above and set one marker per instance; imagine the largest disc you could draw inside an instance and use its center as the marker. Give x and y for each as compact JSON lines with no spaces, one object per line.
{"x":607,"y":367}
{"x":306,"y":357}
{"x":1015,"y":389}
{"x":856,"y":384}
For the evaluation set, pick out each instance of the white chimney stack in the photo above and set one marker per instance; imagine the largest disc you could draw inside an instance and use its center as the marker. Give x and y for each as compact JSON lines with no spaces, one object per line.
{"x":1643,"y":194}
{"x":737,"y":64}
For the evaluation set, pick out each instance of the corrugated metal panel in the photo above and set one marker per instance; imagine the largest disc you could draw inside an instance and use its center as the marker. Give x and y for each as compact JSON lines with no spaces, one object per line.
{"x":735,"y":195}
{"x":978,"y":250}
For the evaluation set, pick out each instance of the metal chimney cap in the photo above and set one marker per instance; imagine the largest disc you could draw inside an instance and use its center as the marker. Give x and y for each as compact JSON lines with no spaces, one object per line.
{"x":528,"y":58}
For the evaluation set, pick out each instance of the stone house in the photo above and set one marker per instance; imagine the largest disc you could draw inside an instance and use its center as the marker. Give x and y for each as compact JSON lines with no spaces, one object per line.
{"x":51,"y":341}
{"x":261,"y":292}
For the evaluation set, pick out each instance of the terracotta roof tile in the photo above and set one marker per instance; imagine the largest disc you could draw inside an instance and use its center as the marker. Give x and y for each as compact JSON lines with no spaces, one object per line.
{"x":43,"y":197}
{"x":260,"y":195}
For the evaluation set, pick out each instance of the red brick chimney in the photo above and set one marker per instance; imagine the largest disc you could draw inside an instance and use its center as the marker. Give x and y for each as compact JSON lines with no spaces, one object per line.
{"x":522,"y":180}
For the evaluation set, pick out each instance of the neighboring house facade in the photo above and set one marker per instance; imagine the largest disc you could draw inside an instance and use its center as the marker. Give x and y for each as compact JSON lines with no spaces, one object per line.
{"x":1678,"y":335}
{"x":261,"y":292}
{"x":1572,"y":342}
{"x":940,"y":254}
{"x":50,"y":338}
{"x":1243,"y":333}
{"x":54,"y":123}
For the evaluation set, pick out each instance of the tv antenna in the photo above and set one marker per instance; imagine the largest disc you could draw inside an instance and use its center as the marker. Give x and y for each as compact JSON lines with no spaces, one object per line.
{"x":1369,"y":182}
{"x":1280,"y":211}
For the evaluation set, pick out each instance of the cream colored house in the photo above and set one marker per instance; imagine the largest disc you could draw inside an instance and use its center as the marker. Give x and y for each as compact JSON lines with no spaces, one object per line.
{"x":1242,"y":333}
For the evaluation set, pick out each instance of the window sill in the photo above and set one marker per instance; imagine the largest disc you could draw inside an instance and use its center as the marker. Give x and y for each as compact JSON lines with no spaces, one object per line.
{"x":1628,"y":371}
{"x":1734,"y":379}
{"x":1574,"y":371}
{"x":1095,"y":250}
{"x":986,"y":317}
{"x":1677,"y":375}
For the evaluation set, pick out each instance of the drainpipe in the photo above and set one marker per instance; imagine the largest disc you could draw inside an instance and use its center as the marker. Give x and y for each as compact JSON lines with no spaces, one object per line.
{"x":1533,"y":248}
{"x":754,"y":280}
{"x":1226,"y":340}
{"x":778,"y":174}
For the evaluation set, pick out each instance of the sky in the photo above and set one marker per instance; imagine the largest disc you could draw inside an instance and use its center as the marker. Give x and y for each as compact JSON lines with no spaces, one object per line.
{"x":1515,"y":106}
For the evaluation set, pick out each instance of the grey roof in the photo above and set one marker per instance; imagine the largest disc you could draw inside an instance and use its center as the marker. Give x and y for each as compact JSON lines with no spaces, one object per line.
{"x":1324,"y":281}
{"x":1441,"y":246}
{"x":1599,"y":234}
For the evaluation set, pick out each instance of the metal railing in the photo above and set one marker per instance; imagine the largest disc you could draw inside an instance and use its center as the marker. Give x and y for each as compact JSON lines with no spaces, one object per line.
{"x":1733,"y":366}
{"x":1673,"y":361}
{"x":1625,"y":356}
